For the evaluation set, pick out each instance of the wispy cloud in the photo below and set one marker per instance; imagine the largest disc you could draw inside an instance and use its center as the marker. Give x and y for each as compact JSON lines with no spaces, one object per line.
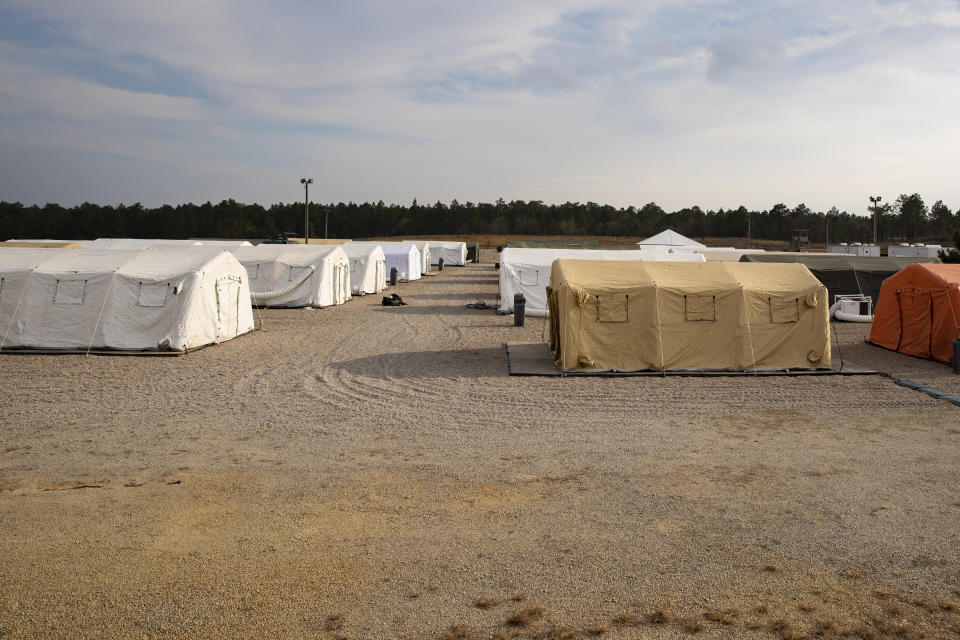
{"x":716,"y":102}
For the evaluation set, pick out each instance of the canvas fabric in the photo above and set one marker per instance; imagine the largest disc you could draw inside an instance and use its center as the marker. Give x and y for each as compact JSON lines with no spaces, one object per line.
{"x":403,"y":256}
{"x":687,"y":316}
{"x":296,"y":275}
{"x":367,"y":267}
{"x":527,"y":271}
{"x":179,"y":298}
{"x":918,"y":312}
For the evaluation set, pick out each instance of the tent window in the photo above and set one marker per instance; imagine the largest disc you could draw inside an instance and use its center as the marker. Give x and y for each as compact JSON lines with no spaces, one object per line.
{"x":296,"y":272}
{"x":613,"y":308}
{"x":253,"y":271}
{"x":700,"y":308}
{"x":70,"y":292}
{"x":784,"y":309}
{"x":529,"y":277}
{"x":152,"y":294}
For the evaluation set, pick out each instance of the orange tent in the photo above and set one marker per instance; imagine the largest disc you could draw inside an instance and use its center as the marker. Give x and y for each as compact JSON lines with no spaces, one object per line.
{"x":918,"y":311}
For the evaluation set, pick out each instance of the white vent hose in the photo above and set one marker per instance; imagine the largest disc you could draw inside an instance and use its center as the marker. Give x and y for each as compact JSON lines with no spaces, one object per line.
{"x":260,"y":296}
{"x":852,"y":317}
{"x":835,"y":312}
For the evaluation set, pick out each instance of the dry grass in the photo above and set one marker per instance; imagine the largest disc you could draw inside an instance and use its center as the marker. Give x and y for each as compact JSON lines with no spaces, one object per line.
{"x":333,"y":623}
{"x":723,"y":616}
{"x":627,"y":619}
{"x":780,"y":626}
{"x":519,"y":597}
{"x":692,"y":625}
{"x":947,"y":605}
{"x":525,"y":617}
{"x":596,"y":629}
{"x":458,"y":632}
{"x":862,"y":632}
{"x":486,"y":603}
{"x":660,"y":617}
{"x":770,"y":568}
{"x":824,"y":627}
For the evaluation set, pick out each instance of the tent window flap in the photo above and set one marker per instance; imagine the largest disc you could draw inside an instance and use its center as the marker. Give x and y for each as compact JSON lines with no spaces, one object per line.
{"x":152,"y":294}
{"x":613,"y":307}
{"x":784,"y":310}
{"x":70,"y":292}
{"x":529,"y":277}
{"x":699,"y":308}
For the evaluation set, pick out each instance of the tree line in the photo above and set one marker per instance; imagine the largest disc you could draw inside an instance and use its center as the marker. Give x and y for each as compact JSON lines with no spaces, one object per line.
{"x":907,"y":219}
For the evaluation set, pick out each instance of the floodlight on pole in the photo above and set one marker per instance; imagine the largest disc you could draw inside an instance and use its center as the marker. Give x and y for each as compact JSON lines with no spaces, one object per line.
{"x":875,"y":201}
{"x":306,"y":182}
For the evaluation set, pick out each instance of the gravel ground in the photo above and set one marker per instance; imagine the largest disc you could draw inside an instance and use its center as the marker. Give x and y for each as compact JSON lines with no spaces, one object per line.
{"x":373,"y":472}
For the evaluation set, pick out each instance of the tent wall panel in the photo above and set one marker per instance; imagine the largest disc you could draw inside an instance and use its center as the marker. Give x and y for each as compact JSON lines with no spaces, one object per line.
{"x":687,"y":316}
{"x":918,"y":311}
{"x":80,"y":298}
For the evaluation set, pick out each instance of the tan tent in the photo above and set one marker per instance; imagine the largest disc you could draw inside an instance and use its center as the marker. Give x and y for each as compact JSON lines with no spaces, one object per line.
{"x":633,"y":316}
{"x":40,"y":244}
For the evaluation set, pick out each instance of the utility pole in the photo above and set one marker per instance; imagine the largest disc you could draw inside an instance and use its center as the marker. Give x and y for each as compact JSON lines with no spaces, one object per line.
{"x":876,"y":210}
{"x":306,"y":182}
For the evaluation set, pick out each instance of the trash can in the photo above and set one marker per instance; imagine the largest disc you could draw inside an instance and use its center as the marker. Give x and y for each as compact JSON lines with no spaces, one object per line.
{"x":956,"y":357}
{"x":519,"y":309}
{"x":393,"y":276}
{"x":440,"y":264}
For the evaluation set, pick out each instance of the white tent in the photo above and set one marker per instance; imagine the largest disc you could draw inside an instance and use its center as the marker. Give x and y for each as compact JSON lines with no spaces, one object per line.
{"x":527,"y":271}
{"x":453,"y":253}
{"x":368,"y":267}
{"x":670,"y":238}
{"x":174,"y":299}
{"x":425,"y":257}
{"x":403,"y":256}
{"x":294,"y":275}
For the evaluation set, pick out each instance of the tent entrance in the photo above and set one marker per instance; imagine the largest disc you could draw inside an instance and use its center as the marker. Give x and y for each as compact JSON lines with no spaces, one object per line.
{"x":341,"y":280}
{"x":916,"y":323}
{"x":228,"y":307}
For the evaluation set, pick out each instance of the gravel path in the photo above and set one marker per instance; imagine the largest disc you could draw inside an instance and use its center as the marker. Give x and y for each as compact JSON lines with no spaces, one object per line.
{"x":373,"y":472}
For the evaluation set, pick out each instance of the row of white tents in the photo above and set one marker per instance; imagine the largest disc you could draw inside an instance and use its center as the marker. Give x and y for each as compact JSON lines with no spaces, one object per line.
{"x":135,"y":294}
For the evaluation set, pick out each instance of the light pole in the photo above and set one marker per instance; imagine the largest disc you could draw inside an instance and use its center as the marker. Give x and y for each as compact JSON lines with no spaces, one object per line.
{"x":875,"y":200}
{"x":306,"y":182}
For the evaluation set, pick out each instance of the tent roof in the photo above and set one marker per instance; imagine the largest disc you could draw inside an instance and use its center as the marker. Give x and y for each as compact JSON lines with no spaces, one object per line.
{"x":143,"y":263}
{"x":361,"y":249}
{"x":944,"y":274}
{"x":292,"y":254}
{"x":544,"y":256}
{"x":671,"y":238}
{"x":391,"y":248}
{"x":837,"y":261}
{"x":602,"y":276}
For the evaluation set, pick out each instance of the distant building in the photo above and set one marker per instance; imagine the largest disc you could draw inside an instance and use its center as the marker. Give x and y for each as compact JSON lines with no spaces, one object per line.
{"x":855,"y":249}
{"x":918,"y":250}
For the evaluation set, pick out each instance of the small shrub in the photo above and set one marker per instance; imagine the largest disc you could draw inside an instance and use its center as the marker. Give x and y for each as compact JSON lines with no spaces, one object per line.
{"x":526,"y":616}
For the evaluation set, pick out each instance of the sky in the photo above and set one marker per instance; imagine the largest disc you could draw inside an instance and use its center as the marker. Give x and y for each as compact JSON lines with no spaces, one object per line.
{"x":623,"y":102}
